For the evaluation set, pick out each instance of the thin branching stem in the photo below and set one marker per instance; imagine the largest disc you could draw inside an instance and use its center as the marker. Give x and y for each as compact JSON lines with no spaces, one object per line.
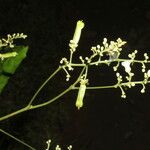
{"x":116,"y":60}
{"x":96,"y":87}
{"x":29,"y":107}
{"x":16,"y":139}
{"x":44,"y":83}
{"x":110,"y":86}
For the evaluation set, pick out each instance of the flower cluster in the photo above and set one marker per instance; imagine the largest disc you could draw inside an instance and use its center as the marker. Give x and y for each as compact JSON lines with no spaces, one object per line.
{"x":107,"y":53}
{"x":57,"y":146}
{"x":111,"y":49}
{"x":9,"y":42}
{"x":128,"y":69}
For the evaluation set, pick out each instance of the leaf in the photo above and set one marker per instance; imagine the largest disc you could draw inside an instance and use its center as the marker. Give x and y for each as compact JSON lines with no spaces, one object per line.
{"x":3,"y":82}
{"x":9,"y":66}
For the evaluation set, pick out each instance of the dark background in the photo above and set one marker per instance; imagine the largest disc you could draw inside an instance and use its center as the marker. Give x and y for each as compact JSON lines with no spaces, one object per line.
{"x":106,"y":121}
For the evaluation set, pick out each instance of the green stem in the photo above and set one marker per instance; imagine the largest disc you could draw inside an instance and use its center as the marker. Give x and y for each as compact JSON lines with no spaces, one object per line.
{"x":72,"y":87}
{"x":29,"y":107}
{"x":45,"y":82}
{"x":71,"y":54}
{"x":15,"y":113}
{"x":116,"y":60}
{"x":53,"y":99}
{"x":77,"y":65}
{"x":16,"y":139}
{"x":110,"y":86}
{"x":96,"y":87}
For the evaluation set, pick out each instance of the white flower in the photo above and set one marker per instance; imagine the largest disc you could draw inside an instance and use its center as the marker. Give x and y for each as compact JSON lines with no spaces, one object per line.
{"x":143,"y":91}
{"x":148,"y":73}
{"x":104,"y":41}
{"x":77,"y":34}
{"x":126,"y":65}
{"x":81,"y":93}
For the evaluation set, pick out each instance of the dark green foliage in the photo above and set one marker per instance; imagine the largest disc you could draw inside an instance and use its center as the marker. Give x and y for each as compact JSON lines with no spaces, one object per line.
{"x":9,"y":66}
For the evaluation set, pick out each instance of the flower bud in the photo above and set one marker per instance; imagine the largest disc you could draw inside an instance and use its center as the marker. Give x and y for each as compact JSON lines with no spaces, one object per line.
{"x":77,"y":34}
{"x":81,"y":93}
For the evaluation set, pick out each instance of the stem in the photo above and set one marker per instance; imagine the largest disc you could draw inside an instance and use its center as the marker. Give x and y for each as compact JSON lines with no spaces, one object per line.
{"x":110,"y":86}
{"x":30,"y":107}
{"x":45,"y":82}
{"x":53,"y":99}
{"x":72,"y":87}
{"x":16,"y":139}
{"x":86,"y":72}
{"x":71,"y":54}
{"x":77,"y":65}
{"x":97,"y":87}
{"x":15,"y":113}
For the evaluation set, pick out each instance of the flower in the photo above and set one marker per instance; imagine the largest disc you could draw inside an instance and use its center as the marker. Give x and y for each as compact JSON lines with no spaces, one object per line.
{"x":126,"y":65}
{"x":81,"y":93}
{"x":148,"y":73}
{"x":77,"y":34}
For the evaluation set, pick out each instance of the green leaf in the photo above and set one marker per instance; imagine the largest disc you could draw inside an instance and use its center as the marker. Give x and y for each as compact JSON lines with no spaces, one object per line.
{"x":9,"y":66}
{"x":3,"y":82}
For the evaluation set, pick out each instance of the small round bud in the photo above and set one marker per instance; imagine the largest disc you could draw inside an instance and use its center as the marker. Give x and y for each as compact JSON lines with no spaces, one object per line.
{"x":142,"y":91}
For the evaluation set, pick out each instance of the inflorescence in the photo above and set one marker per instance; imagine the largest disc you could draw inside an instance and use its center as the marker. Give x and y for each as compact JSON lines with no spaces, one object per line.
{"x":9,"y":42}
{"x":112,"y":50}
{"x":57,"y":146}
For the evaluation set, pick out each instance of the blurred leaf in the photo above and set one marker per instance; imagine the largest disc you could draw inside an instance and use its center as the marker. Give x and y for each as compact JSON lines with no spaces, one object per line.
{"x":9,"y":66}
{"x":3,"y":82}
